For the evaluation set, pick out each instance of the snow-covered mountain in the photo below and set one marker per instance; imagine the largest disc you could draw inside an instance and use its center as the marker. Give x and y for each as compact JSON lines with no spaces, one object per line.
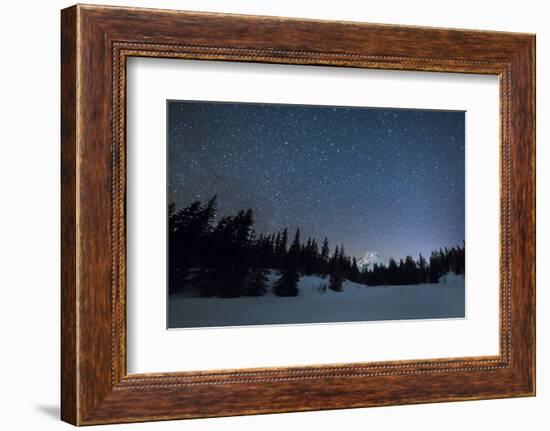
{"x":368,"y":260}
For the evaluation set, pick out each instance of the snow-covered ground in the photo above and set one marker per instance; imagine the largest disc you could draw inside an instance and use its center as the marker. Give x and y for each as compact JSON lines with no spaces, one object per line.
{"x":314,"y":304}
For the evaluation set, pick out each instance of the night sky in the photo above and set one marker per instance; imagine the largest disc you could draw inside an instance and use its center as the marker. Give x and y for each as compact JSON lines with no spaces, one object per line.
{"x":384,"y":180}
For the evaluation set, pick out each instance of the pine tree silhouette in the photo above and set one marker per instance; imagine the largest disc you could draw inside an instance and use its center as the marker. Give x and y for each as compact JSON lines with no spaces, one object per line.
{"x":354,"y":273}
{"x":189,"y":229}
{"x":325,"y":252}
{"x":337,"y":275}
{"x":336,"y":281}
{"x":229,"y":260}
{"x":258,"y":282}
{"x":281,"y":249}
{"x":287,"y":284}
{"x":422,"y":269}
{"x":436,"y":267}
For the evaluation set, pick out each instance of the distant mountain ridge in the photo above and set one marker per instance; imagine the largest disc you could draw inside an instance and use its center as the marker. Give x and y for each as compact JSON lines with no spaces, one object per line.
{"x":369,"y":259}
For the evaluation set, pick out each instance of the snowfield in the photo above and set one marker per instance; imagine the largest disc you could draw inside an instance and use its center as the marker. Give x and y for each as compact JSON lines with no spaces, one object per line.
{"x":314,"y":304}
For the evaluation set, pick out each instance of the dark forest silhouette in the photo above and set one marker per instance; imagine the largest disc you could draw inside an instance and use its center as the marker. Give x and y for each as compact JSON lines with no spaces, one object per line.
{"x":229,"y":259}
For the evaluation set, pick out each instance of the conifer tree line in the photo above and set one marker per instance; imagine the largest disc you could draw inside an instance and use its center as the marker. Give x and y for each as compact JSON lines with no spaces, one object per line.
{"x":229,"y":259}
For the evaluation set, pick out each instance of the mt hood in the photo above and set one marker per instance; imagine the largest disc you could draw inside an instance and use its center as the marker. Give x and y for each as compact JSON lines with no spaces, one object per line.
{"x":368,"y":260}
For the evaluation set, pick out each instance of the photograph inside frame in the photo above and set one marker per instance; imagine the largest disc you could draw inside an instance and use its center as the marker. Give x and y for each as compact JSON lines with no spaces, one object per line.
{"x":299,"y":214}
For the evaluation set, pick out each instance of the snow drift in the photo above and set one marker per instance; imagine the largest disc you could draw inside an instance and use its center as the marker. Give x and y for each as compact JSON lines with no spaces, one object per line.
{"x":316,"y":303}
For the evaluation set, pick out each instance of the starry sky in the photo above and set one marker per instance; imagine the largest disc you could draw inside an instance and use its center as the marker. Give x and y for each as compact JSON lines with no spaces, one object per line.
{"x":384,"y":180}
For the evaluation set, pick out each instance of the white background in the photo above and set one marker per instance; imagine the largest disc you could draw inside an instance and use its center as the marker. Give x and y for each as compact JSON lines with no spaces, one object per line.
{"x":29,"y":227}
{"x":151,"y":348}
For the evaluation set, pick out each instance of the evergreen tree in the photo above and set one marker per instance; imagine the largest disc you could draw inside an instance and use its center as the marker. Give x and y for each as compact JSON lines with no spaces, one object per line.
{"x":277,"y":243}
{"x":337,"y":269}
{"x":342,"y":255}
{"x":400,"y":278}
{"x":422,"y":269}
{"x":263,"y":252}
{"x":287,"y":284}
{"x":461,"y":260}
{"x":325,"y":251}
{"x":354,"y":273}
{"x":393,"y":272}
{"x":337,"y":276}
{"x":295,"y":247}
{"x":376,"y":277}
{"x":258,"y":282}
{"x":188,"y":239}
{"x":312,"y":264}
{"x":230,"y":260}
{"x":410,"y":271}
{"x":435,"y":270}
{"x":344,"y":260}
{"x":443,"y":262}
{"x":281,"y":251}
{"x":307,"y":257}
{"x":335,"y":259}
{"x":233,"y":237}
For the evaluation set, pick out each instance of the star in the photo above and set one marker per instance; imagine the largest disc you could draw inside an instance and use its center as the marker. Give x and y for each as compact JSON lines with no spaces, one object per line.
{"x":388,"y":180}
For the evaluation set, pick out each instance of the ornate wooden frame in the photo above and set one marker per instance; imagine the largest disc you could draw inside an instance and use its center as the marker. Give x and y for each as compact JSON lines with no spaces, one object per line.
{"x":95,"y":43}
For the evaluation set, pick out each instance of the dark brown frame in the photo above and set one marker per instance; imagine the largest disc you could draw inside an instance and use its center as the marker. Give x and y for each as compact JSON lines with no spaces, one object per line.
{"x":95,"y":43}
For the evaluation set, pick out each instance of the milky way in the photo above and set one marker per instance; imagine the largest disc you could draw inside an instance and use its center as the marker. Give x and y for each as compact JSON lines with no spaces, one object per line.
{"x":384,"y":180}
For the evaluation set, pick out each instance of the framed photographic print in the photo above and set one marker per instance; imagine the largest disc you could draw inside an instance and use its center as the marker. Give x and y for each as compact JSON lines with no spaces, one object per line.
{"x":258,"y":208}
{"x":241,"y":176}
